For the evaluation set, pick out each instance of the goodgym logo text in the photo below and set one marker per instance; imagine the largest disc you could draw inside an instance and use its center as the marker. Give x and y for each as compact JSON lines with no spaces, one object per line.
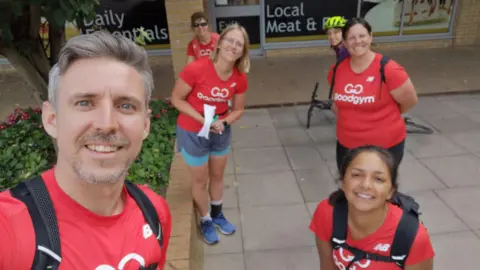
{"x":352,"y":95}
{"x":217,"y":95}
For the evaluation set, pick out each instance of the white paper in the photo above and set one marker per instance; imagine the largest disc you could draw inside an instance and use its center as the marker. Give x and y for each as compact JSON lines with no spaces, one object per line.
{"x":209,"y":113}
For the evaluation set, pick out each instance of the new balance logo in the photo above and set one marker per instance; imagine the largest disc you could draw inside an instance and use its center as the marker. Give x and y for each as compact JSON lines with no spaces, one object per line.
{"x":147,"y":231}
{"x":382,"y":247}
{"x":370,"y":79}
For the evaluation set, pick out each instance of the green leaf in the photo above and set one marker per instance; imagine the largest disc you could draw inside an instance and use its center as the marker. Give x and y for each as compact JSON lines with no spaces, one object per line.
{"x":59,"y":18}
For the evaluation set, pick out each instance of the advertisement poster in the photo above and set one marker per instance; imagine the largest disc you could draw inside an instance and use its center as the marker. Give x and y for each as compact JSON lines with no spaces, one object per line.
{"x":420,"y":16}
{"x":296,"y":20}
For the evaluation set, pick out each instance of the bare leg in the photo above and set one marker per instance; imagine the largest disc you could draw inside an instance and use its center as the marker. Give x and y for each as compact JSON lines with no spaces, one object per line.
{"x":199,"y":187}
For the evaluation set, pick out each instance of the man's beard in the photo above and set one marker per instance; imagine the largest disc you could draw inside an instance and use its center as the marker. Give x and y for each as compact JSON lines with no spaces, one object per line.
{"x":101,"y":178}
{"x":108,"y":177}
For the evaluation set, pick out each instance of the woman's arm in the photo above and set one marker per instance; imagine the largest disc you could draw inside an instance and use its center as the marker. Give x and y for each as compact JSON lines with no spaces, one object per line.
{"x":190,"y":59}
{"x":334,"y":108}
{"x":238,"y":108}
{"x":179,"y":94}
{"x":325,"y":254}
{"x":425,"y":265}
{"x":405,"y":96}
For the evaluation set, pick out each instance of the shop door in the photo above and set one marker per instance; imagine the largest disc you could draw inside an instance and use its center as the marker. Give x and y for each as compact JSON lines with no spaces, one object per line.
{"x":244,"y":12}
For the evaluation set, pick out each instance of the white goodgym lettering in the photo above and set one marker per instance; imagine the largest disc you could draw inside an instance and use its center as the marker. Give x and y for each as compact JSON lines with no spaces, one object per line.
{"x":211,"y":99}
{"x":217,"y":92}
{"x":123,"y":262}
{"x":217,"y":95}
{"x":357,"y":100}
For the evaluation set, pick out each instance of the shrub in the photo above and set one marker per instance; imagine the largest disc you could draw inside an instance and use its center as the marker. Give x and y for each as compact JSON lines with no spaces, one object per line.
{"x":27,"y":149}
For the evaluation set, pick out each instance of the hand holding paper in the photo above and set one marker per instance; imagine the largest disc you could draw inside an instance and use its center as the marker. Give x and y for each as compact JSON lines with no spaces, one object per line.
{"x":209,"y":113}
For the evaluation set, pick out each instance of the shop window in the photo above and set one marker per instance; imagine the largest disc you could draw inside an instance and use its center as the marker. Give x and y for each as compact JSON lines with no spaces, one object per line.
{"x":426,"y":16}
{"x":383,"y":16}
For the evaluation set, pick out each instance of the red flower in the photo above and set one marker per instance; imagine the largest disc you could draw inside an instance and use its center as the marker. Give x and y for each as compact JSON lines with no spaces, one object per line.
{"x":158,"y":115}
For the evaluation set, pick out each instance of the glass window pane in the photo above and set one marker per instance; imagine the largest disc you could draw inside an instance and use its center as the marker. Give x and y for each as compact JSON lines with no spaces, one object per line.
{"x":427,"y":16}
{"x":383,"y":15}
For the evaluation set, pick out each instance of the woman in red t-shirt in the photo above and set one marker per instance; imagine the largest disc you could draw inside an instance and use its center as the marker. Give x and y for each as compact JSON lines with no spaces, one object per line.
{"x":368,"y":180}
{"x":211,"y":81}
{"x":369,"y":111}
{"x":204,"y":42}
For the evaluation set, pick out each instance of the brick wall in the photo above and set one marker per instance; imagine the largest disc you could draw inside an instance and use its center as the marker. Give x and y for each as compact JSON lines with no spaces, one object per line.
{"x":467,"y":24}
{"x":178,"y":17}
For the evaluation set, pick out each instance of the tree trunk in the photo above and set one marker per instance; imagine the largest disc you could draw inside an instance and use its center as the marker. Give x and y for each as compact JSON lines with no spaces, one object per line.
{"x":56,"y":39}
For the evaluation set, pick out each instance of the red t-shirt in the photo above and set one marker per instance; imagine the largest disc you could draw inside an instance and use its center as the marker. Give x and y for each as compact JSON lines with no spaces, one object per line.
{"x":88,"y":241}
{"x":208,"y":88}
{"x":199,"y":50}
{"x":367,"y":114}
{"x":379,"y":242}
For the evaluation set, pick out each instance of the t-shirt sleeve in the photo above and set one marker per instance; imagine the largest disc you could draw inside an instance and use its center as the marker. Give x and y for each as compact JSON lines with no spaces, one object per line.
{"x":189,"y":73}
{"x":7,"y":235}
{"x":190,"y":51}
{"x":242,"y":84}
{"x":165,"y":217}
{"x":422,"y":248}
{"x":395,"y":75}
{"x":321,"y":223}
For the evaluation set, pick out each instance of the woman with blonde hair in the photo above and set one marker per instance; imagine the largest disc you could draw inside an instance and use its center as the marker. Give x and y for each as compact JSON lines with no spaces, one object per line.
{"x":211,"y":81}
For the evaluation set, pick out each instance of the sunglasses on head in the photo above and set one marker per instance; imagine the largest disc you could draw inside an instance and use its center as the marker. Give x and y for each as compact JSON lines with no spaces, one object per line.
{"x":203,"y":24}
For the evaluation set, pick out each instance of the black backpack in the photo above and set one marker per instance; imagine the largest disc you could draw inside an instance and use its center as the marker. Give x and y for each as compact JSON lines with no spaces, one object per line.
{"x":383,"y":62}
{"x":34,"y":194}
{"x":402,"y":242}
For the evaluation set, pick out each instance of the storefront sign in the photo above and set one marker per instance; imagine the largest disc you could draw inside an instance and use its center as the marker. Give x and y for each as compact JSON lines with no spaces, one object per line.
{"x":125,"y":17}
{"x":288,"y":19}
{"x":250,"y":23}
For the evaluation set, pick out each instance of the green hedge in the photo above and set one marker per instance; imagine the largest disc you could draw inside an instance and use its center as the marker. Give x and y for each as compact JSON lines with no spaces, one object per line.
{"x":27,"y":150}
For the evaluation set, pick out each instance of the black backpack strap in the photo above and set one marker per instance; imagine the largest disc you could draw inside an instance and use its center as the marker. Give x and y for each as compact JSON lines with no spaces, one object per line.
{"x":333,"y":78}
{"x":340,"y":224}
{"x":383,"y":63}
{"x":148,"y":210}
{"x":34,"y":194}
{"x":406,"y":230}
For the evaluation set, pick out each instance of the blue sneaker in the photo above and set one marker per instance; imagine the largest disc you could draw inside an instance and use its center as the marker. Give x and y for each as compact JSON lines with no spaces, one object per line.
{"x":223,"y":225}
{"x":210,"y":235}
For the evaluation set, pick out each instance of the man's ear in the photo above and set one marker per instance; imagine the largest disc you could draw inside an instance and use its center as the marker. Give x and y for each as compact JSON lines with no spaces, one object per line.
{"x":49,"y":119}
{"x":146,"y":128}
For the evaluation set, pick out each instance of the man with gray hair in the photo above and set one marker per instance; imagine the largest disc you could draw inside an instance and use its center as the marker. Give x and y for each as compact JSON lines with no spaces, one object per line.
{"x":82,"y":213}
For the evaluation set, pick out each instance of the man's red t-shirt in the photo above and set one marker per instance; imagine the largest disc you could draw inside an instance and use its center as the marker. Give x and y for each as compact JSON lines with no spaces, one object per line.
{"x":199,"y":50}
{"x":88,"y":241}
{"x":208,"y":88}
{"x":379,"y":242}
{"x":367,"y":114}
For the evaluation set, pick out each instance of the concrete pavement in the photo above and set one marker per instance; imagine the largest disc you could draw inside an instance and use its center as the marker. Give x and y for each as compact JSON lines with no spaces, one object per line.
{"x":278,"y":172}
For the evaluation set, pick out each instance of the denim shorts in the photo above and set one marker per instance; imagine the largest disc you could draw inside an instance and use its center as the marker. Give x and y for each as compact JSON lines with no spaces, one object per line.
{"x":196,"y":150}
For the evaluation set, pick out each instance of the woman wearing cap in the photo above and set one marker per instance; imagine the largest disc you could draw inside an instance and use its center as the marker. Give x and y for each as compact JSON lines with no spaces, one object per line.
{"x":211,"y":81}
{"x":204,"y":42}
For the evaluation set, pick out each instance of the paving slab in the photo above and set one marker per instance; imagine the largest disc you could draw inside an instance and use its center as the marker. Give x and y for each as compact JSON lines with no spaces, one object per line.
{"x":275,"y":183}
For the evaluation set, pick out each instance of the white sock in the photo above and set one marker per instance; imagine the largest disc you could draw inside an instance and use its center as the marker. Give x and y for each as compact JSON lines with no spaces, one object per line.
{"x":206,"y":218}
{"x":216,"y":202}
